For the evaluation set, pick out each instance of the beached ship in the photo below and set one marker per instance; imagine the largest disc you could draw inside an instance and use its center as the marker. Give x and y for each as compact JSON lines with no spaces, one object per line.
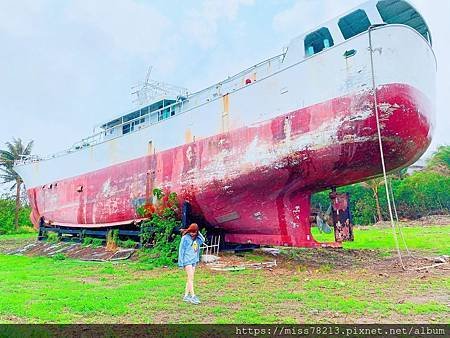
{"x":248,"y":152}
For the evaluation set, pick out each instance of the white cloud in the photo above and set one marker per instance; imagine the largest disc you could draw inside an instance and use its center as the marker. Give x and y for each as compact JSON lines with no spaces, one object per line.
{"x":436,"y":16}
{"x":21,"y":18}
{"x":201,"y":25}
{"x":304,"y":15}
{"x":131,"y":26}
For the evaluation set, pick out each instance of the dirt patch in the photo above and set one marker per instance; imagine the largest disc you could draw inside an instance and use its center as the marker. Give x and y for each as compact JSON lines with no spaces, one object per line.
{"x":422,"y":299}
{"x":10,"y":244}
{"x":333,"y":257}
{"x":416,"y":265}
{"x":421,"y":222}
{"x":69,"y":250}
{"x":331,"y":260}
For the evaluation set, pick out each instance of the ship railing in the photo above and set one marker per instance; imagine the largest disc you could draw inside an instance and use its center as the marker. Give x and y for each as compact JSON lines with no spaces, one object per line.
{"x":24,"y":159}
{"x":212,"y":93}
{"x":221,"y":86}
{"x":99,"y":137}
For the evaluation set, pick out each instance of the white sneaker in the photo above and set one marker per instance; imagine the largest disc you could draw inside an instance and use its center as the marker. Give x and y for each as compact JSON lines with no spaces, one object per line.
{"x":195,"y":300}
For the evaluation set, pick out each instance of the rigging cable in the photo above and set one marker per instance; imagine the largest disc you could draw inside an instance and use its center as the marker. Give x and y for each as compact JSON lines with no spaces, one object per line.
{"x":380,"y":143}
{"x":388,"y":195}
{"x":399,"y":227}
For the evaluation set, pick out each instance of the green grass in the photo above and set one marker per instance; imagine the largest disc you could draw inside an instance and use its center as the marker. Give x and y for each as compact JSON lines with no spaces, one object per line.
{"x":28,"y":235}
{"x":432,"y":238}
{"x":62,"y":290}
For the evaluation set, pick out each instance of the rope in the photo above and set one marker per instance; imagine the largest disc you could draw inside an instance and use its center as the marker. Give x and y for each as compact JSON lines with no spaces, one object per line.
{"x":380,"y":143}
{"x":397,"y":221}
{"x":389,"y":190}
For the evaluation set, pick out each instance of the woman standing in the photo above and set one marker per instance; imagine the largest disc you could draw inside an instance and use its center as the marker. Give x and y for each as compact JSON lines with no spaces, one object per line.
{"x":188,"y":258}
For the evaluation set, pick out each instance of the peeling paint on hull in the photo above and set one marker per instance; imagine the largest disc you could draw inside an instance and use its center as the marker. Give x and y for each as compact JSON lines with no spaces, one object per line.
{"x":255,"y":182}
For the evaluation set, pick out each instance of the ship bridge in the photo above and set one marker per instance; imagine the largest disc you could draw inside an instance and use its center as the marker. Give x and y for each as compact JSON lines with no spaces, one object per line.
{"x":149,"y":114}
{"x":355,"y":22}
{"x":156,"y":100}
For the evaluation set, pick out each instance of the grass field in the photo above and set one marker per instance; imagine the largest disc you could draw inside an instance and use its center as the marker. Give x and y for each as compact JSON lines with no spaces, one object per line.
{"x":27,"y":235}
{"x":41,"y":289}
{"x":430,"y":238}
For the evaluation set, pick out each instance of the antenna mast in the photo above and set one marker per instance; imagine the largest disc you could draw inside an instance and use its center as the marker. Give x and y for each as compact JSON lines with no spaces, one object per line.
{"x":152,"y":90}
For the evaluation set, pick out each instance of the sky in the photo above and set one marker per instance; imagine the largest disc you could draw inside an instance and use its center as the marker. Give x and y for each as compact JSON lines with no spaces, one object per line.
{"x":68,"y":65}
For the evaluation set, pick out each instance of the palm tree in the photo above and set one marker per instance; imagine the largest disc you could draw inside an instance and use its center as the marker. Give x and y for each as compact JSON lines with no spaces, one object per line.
{"x":373,"y":185}
{"x":15,"y":150}
{"x":440,"y":161}
{"x":399,"y":174}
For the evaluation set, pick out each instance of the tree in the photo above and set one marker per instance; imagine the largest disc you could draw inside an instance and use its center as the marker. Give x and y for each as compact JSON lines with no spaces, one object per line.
{"x":440,"y":161}
{"x":373,"y":185}
{"x":15,"y":150}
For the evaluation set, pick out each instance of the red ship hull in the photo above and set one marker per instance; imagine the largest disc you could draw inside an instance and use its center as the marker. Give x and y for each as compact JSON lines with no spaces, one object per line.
{"x":265,"y":204}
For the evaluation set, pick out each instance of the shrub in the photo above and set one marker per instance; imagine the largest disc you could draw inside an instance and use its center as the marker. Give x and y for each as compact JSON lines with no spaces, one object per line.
{"x":92,"y":241}
{"x":160,"y":232}
{"x":128,"y":244}
{"x":362,"y":204}
{"x":112,"y":239}
{"x":97,"y":242}
{"x":419,"y":194}
{"x":59,"y":257}
{"x":423,"y":193}
{"x":87,"y":241}
{"x":52,"y":237}
{"x":7,"y":212}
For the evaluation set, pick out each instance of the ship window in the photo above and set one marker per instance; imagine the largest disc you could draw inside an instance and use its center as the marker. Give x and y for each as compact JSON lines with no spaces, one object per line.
{"x":126,"y":129}
{"x":131,"y":116}
{"x":137,"y":122}
{"x":400,"y":12}
{"x":144,"y":111}
{"x":163,"y":114}
{"x":153,"y":117}
{"x":317,"y":41}
{"x":114,"y":123}
{"x":354,"y":23}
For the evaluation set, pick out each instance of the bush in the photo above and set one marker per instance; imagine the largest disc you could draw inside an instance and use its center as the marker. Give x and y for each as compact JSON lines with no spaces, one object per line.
{"x":112,"y":239}
{"x":87,"y":241}
{"x":419,"y":194}
{"x":59,"y":257}
{"x":362,"y":203}
{"x":7,"y":214}
{"x":423,"y":193}
{"x":92,"y":241}
{"x":97,"y":242}
{"x":160,"y":232}
{"x":128,"y":244}
{"x":52,"y":237}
